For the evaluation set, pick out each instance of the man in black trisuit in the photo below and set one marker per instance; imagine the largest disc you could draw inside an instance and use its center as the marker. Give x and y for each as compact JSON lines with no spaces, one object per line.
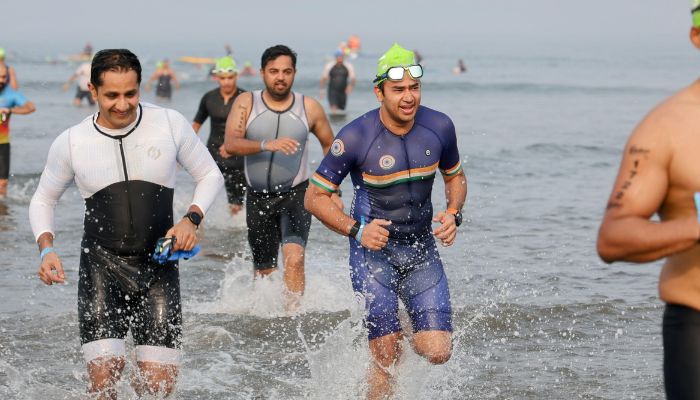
{"x":216,"y":104}
{"x":340,"y":76}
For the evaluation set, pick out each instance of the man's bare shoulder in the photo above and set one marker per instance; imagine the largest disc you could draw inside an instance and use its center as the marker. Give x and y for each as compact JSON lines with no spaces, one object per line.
{"x":244,"y":99}
{"x":314,"y":109}
{"x":311,"y":104}
{"x":677,"y":115}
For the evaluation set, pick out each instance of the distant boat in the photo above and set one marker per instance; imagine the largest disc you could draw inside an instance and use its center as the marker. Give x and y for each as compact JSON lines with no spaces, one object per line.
{"x":197,"y":60}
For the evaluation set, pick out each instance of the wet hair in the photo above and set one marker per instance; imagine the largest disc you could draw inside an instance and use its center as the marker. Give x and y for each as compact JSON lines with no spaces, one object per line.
{"x":273,"y":52}
{"x":381,"y":86}
{"x":117,"y":60}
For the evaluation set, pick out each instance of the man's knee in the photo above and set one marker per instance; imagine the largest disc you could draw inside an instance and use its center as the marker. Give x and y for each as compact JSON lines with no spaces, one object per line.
{"x":386,"y":349}
{"x":156,"y":378}
{"x":293,"y":256}
{"x":440,"y":356}
{"x":104,"y":373}
{"x":434,"y":346}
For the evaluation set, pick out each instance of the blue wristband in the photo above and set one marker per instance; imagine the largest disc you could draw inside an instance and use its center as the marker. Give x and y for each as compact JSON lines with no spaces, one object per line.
{"x":358,"y":236}
{"x":262,"y":146}
{"x":696,"y":197}
{"x":46,"y":251}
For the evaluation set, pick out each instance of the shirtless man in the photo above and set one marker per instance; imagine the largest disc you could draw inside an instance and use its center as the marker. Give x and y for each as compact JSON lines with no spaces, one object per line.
{"x":659,"y":174}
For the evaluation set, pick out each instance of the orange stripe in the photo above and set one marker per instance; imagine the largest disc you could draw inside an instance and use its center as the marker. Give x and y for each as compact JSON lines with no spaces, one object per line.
{"x":324,"y":180}
{"x":400,"y":173}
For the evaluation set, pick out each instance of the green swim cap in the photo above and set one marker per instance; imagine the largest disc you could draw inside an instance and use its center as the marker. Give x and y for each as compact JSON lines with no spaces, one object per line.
{"x":695,"y":11}
{"x":225,"y":64}
{"x":2,"y":52}
{"x":159,"y":64}
{"x":396,"y":56}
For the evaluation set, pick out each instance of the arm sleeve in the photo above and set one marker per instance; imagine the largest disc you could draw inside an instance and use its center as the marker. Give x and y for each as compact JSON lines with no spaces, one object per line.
{"x":197,"y":161}
{"x":57,"y":176}
{"x":202,"y":112}
{"x":339,"y":161}
{"x":450,"y":163}
{"x":19,"y":99}
{"x":351,"y":70}
{"x":326,"y":71}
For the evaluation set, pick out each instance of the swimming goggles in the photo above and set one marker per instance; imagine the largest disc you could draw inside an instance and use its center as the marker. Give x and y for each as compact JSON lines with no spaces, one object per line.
{"x":227,"y":70}
{"x":396,"y":73}
{"x":163,"y":251}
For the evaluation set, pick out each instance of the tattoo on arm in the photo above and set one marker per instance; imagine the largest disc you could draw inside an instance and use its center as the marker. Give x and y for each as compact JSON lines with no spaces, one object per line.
{"x":241,"y":121}
{"x":620,"y":194}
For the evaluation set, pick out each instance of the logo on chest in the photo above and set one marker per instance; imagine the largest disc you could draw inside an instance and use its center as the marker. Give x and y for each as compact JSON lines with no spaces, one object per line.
{"x":387,"y":161}
{"x":153,"y":152}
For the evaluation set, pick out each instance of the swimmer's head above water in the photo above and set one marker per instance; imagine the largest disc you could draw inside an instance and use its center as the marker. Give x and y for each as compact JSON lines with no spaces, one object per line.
{"x":399,"y":59}
{"x":225,"y":65}
{"x":695,"y":12}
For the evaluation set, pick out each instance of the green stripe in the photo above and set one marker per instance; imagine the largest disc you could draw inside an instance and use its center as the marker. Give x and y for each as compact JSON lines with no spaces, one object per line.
{"x":402,"y":180}
{"x":322,"y":186}
{"x":454,"y":173}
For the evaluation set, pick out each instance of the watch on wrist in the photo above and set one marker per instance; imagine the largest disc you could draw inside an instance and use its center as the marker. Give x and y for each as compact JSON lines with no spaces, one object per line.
{"x":194,"y":217}
{"x":355,"y":228}
{"x":457,"y":214}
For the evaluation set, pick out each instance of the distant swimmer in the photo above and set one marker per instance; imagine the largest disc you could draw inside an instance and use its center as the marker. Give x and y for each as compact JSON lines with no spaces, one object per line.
{"x":393,"y":154}
{"x":82,"y":75}
{"x":460,"y":68}
{"x":123,"y":160}
{"x":659,"y":175}
{"x":87,"y":50}
{"x":340,"y":76}
{"x":164,"y":75}
{"x":11,"y":102}
{"x":216,"y":104}
{"x":270,"y":128}
{"x":419,"y":57}
{"x":354,"y":46}
{"x":11,"y":76}
{"x":248,"y":69}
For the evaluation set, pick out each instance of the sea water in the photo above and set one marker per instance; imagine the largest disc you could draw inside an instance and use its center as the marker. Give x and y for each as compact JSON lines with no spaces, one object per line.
{"x":536,"y":314}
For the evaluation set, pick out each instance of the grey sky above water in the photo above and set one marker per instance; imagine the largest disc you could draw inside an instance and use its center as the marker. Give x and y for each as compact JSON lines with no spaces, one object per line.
{"x":196,"y":24}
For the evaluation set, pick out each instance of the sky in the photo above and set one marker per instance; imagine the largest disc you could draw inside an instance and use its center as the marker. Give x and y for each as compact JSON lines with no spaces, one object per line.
{"x":48,"y":24}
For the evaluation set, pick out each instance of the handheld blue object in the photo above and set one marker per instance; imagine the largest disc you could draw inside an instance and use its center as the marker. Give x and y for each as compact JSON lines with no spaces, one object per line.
{"x":163,"y":251}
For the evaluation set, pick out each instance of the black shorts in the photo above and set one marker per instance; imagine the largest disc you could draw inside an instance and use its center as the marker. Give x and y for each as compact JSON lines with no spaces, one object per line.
{"x":681,"y":332}
{"x":234,"y":181}
{"x":117,"y":293}
{"x":4,"y":161}
{"x":275,"y":218}
{"x":80,"y":94}
{"x":337,"y":98}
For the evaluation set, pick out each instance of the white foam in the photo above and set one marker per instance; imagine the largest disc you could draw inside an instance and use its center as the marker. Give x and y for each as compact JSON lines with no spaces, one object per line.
{"x":240,"y":294}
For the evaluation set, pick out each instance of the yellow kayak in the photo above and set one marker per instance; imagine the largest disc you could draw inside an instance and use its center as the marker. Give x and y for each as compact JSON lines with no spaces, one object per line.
{"x":198,"y":60}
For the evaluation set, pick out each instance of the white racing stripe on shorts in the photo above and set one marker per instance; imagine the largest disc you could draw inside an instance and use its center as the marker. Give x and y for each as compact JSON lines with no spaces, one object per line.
{"x":103,"y":348}
{"x":158,"y":354}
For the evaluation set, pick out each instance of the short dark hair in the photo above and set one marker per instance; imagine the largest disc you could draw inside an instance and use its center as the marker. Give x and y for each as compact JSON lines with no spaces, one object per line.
{"x":118,"y":60}
{"x":273,"y":52}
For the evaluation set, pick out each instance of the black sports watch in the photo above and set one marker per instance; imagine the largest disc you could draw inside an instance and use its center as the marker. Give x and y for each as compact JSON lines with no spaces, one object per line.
{"x":355,"y":228}
{"x":457,"y":214}
{"x":194,"y":217}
